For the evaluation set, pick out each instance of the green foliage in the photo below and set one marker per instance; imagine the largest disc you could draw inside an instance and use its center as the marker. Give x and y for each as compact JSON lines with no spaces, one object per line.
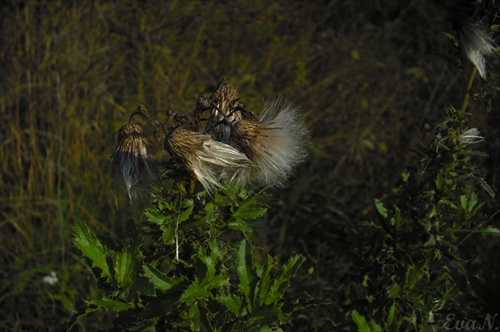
{"x":177,"y":268}
{"x":91,"y":247}
{"x":414,"y":275}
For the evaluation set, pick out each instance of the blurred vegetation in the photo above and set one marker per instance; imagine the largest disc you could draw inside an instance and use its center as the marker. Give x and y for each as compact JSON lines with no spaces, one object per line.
{"x":372,"y":79}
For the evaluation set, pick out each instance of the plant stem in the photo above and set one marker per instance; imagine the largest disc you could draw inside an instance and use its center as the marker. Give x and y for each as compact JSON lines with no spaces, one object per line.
{"x":469,"y":87}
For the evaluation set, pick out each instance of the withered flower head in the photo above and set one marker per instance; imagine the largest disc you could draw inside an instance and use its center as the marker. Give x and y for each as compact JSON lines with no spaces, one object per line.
{"x":475,"y":43}
{"x":224,"y":110}
{"x":208,"y":160}
{"x":131,"y":157}
{"x":275,"y":143}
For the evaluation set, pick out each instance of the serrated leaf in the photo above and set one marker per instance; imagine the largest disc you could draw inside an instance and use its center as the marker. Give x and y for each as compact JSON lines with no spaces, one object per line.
{"x":218,"y":281}
{"x":91,"y":247}
{"x":112,"y":305}
{"x":210,"y":261}
{"x":382,"y":210}
{"x":394,"y":290}
{"x":193,"y":292}
{"x":413,"y":274}
{"x":232,"y":302}
{"x":245,"y":270}
{"x":486,"y":187}
{"x":264,"y":281}
{"x":156,"y":216}
{"x":250,"y":210}
{"x":168,"y":233}
{"x":157,"y":278}
{"x":184,"y":215}
{"x":281,"y":283}
{"x":238,"y":224}
{"x":201,"y":290}
{"x":390,"y":316}
{"x":376,"y":327}
{"x":82,"y":312}
{"x":124,"y":265}
{"x":360,"y":322}
{"x":209,"y":208}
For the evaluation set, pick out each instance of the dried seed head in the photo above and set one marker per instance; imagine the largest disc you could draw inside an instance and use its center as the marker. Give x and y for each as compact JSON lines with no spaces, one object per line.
{"x":208,"y":160}
{"x":224,"y":109}
{"x":275,"y":143}
{"x":142,"y":110}
{"x":131,"y":157}
{"x":475,"y":43}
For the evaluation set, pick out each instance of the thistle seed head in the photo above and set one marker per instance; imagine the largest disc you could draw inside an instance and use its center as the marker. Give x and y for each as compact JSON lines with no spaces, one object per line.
{"x":275,"y":143}
{"x":131,"y":157}
{"x":224,"y":110}
{"x":208,"y":160}
{"x":475,"y":43}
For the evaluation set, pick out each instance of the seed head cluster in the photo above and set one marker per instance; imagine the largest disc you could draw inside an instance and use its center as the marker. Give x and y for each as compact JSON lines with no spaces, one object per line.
{"x":233,"y":147}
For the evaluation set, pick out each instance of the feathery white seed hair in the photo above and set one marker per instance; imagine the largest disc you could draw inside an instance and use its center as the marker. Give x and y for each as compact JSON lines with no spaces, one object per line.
{"x":136,"y":165}
{"x":210,"y":161}
{"x":471,"y":136}
{"x":476,"y":44}
{"x":275,"y":143}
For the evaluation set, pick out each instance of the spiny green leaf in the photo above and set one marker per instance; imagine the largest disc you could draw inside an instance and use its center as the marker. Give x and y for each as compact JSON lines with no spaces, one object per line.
{"x":264,"y":281}
{"x":156,"y":216}
{"x":250,"y":210}
{"x":376,"y":327}
{"x":91,"y":247}
{"x":245,"y":270}
{"x":168,"y":233}
{"x":110,"y":304}
{"x":218,"y":281}
{"x":381,"y":208}
{"x":360,"y":322}
{"x":413,"y":274}
{"x":390,"y":316}
{"x":394,"y":290}
{"x":184,"y":215}
{"x":232,"y":302}
{"x":197,"y":290}
{"x":158,"y":279}
{"x":89,"y":308}
{"x":210,"y":261}
{"x":193,"y":292}
{"x":283,"y":281}
{"x":486,"y":187}
{"x":124,"y":264}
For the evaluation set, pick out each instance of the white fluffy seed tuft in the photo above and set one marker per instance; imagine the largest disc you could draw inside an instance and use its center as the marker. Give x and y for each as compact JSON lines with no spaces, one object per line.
{"x":275,"y":144}
{"x":476,"y":44}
